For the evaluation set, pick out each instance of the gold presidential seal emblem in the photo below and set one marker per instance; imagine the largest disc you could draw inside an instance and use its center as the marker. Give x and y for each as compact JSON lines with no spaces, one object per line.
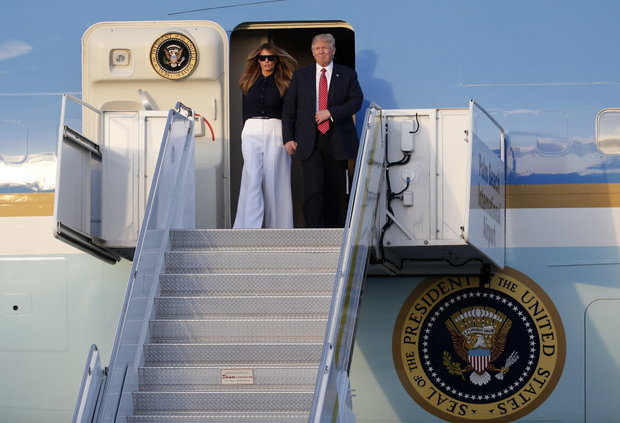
{"x":173,"y":56}
{"x":467,"y":352}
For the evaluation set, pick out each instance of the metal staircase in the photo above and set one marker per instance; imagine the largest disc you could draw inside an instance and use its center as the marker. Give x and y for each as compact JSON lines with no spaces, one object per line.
{"x":226,"y":326}
{"x":255,"y":300}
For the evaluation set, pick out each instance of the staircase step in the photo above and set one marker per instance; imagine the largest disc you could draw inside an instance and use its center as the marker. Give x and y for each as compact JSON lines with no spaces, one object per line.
{"x":290,"y":417}
{"x":146,"y":402}
{"x":210,"y":378}
{"x":232,"y":354}
{"x":242,"y":306}
{"x":247,"y":284}
{"x":238,"y":330}
{"x":238,"y":300}
{"x":255,"y":239}
{"x":258,"y":262}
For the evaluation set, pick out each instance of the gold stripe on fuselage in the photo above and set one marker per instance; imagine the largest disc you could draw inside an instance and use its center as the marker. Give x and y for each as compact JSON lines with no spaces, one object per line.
{"x":27,"y":204}
{"x":517,"y":197}
{"x":550,"y":196}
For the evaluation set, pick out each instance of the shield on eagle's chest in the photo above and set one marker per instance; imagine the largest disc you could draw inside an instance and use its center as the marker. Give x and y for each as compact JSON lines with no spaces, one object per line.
{"x":479,"y":359}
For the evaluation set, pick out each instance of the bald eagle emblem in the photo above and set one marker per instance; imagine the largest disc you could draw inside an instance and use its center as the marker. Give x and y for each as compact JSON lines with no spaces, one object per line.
{"x":479,"y":339}
{"x":174,"y":55}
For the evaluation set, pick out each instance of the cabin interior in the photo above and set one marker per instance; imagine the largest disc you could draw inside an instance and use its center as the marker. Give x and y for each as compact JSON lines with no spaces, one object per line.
{"x":295,"y":39}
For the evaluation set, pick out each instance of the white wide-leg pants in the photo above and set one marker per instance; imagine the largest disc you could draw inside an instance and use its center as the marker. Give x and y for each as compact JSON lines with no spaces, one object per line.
{"x":265,"y":193}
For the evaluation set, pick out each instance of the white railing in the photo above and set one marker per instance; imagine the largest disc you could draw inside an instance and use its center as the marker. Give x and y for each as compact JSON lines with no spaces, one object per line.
{"x":332,"y":398}
{"x":170,"y":205}
{"x":90,"y":389}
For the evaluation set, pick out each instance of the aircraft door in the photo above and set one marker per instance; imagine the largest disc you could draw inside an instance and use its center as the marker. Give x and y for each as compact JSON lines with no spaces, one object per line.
{"x":133,"y":73}
{"x":78,"y":196}
{"x":146,"y":68}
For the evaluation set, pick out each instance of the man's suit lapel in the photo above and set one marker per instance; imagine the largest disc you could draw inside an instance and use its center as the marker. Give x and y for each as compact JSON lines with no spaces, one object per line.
{"x":314,"y":83}
{"x":334,"y":83}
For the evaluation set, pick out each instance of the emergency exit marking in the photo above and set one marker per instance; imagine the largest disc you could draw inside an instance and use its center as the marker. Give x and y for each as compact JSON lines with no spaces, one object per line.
{"x":237,"y":376}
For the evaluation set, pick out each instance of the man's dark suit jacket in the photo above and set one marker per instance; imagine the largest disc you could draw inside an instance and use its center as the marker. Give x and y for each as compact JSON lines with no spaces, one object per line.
{"x":343,"y":101}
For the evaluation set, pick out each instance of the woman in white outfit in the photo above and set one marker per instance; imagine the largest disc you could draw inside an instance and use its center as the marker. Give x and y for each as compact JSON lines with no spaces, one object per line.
{"x":265,"y":194}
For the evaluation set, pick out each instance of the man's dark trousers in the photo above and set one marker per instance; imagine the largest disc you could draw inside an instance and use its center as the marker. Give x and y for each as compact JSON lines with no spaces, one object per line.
{"x":325,"y":199}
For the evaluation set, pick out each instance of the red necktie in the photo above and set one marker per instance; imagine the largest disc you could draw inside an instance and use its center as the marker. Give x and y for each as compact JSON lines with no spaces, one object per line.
{"x":323,"y":126}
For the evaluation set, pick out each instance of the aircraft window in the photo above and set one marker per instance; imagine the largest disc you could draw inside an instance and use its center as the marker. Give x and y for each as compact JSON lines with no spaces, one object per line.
{"x":608,"y":131}
{"x":13,"y":142}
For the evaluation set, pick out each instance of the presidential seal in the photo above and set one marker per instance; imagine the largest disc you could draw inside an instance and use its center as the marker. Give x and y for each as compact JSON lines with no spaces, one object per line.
{"x":173,"y":56}
{"x":467,"y":352}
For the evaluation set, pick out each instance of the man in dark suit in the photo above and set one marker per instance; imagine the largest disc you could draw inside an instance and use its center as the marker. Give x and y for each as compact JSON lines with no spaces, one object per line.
{"x":323,"y":135}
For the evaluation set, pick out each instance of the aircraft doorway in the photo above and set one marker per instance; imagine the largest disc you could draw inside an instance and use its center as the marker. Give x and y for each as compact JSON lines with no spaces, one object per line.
{"x":295,"y":38}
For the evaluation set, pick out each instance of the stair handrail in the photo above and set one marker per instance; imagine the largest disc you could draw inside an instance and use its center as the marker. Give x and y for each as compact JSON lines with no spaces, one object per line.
{"x":170,"y":205}
{"x":332,"y":397}
{"x":90,"y":388}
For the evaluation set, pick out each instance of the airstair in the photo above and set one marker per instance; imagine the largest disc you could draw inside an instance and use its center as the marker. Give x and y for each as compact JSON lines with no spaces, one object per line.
{"x":258,"y":325}
{"x":238,"y":327}
{"x":234,"y":325}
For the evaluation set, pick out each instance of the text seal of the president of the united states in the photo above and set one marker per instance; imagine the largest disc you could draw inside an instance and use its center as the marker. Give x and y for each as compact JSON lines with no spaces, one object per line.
{"x":467,"y":352}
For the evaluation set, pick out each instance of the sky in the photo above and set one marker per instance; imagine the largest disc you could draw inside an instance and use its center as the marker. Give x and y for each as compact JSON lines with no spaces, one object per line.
{"x":546,"y":67}
{"x":40,"y":58}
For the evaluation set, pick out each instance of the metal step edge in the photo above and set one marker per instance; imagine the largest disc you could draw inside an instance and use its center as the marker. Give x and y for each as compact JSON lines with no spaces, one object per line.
{"x":300,"y":387}
{"x":199,"y":369}
{"x":146,"y":402}
{"x":247,"y":283}
{"x":295,"y":247}
{"x":256,"y":238}
{"x":233,"y":354}
{"x":181,"y":307}
{"x":236,"y":316}
{"x":240,"y":365}
{"x":242,"y":294}
{"x":219,"y":270}
{"x":249,"y":297}
{"x":263,"y":377}
{"x":244,"y":253}
{"x":248,"y":320}
{"x":250,"y":275}
{"x":269,"y":249}
{"x":300,"y":417}
{"x":258,"y":262}
{"x":299,"y":344}
{"x":259,"y":327}
{"x":242,"y":330}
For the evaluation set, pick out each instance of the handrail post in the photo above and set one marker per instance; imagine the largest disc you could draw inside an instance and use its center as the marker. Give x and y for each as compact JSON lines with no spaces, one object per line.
{"x":360,"y":216}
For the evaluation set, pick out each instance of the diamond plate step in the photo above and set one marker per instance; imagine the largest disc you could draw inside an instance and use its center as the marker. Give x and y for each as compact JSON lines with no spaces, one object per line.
{"x":250,"y":239}
{"x":245,"y":299}
{"x":247,"y":355}
{"x":258,"y":262}
{"x":210,"y":378}
{"x":300,"y":417}
{"x":221,"y":401}
{"x":247,"y":284}
{"x":255,"y":306}
{"x":241,"y":330}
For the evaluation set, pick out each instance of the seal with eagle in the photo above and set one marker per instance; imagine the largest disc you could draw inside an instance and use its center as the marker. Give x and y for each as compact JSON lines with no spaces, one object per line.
{"x":479,"y":338}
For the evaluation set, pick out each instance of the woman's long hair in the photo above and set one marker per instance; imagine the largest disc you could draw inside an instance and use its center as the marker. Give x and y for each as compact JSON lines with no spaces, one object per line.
{"x":283,"y":72}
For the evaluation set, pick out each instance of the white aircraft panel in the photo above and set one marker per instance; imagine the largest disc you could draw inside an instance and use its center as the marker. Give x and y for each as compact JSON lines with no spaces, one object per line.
{"x":602,"y":361}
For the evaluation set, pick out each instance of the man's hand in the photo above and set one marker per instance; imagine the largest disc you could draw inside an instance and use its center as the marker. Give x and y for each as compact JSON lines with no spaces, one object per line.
{"x":322,"y":115}
{"x":290,"y":147}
